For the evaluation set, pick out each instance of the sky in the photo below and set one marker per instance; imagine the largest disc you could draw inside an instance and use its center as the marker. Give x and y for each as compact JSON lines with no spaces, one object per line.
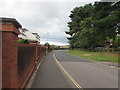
{"x":47,"y":18}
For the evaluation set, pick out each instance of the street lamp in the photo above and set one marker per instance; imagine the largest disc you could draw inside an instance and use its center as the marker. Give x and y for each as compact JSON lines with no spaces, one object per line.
{"x":47,"y":36}
{"x":47,"y":43}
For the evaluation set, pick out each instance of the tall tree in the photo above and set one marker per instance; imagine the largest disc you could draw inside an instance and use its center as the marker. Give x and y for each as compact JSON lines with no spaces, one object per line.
{"x":91,"y":25}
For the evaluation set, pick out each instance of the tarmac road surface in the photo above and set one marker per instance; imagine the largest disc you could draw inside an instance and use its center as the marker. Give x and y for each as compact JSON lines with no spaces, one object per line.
{"x":89,"y":74}
{"x":86,"y":73}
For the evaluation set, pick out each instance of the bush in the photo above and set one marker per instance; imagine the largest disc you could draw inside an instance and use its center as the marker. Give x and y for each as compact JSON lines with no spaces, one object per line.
{"x":25,"y":41}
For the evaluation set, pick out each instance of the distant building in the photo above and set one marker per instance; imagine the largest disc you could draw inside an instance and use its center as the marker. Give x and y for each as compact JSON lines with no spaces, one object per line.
{"x":37,"y":36}
{"x":22,"y":34}
{"x":33,"y":38}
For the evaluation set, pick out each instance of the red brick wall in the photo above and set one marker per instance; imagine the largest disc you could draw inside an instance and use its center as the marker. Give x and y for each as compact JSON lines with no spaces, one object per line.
{"x":10,"y":27}
{"x":10,"y":75}
{"x":0,"y":59}
{"x":31,"y":62}
{"x":9,"y":60}
{"x":9,"y":55}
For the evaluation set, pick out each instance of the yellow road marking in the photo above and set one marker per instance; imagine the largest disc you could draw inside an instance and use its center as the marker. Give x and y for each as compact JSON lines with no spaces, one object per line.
{"x":69,"y":76}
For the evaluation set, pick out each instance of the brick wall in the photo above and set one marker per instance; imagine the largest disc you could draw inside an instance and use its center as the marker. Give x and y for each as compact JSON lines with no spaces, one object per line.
{"x":9,"y":57}
{"x":15,"y":57}
{"x":28,"y":58}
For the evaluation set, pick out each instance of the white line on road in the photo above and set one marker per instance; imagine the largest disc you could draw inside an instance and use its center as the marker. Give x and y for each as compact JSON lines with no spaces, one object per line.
{"x":68,"y":75}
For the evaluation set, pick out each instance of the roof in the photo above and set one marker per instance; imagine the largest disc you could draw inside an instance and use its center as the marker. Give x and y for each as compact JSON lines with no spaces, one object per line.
{"x":14,"y":21}
{"x":116,"y":2}
{"x":24,"y":29}
{"x":36,"y":34}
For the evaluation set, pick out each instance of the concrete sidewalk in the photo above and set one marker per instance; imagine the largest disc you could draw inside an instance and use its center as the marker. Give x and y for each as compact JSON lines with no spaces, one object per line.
{"x":49,"y":75}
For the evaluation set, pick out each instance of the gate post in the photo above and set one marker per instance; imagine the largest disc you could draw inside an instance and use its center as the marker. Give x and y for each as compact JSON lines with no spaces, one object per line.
{"x":10,"y":52}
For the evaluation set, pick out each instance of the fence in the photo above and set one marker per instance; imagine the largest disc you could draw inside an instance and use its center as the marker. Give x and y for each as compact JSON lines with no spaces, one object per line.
{"x":28,"y":58}
{"x":18,"y":60}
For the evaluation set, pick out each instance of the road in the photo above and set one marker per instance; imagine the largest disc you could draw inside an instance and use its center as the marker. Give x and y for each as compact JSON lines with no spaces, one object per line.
{"x":86,"y":73}
{"x":49,"y":75}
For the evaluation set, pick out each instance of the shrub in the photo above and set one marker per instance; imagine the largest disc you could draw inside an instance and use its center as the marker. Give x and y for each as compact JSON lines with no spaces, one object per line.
{"x":25,"y":41}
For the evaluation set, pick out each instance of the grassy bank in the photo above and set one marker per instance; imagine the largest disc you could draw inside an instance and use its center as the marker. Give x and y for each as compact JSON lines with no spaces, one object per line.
{"x":97,"y":56}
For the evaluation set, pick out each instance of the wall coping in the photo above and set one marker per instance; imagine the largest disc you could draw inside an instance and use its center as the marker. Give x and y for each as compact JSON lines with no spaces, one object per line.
{"x":12,"y":20}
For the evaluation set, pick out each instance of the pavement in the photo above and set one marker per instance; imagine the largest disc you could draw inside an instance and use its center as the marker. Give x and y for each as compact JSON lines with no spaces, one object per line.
{"x":86,"y":73}
{"x":49,"y":75}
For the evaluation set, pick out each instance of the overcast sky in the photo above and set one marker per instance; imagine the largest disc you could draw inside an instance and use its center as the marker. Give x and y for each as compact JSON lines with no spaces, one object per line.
{"x":48,"y":19}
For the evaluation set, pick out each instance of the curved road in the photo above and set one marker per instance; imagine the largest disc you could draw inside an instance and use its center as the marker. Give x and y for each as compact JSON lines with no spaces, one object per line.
{"x":86,"y":73}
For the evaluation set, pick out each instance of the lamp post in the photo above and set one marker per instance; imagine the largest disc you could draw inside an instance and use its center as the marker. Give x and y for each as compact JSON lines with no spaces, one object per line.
{"x":47,"y":36}
{"x":47,"y":43}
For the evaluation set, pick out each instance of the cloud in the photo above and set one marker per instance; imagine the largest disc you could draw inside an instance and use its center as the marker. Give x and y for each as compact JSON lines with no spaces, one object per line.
{"x":41,"y":17}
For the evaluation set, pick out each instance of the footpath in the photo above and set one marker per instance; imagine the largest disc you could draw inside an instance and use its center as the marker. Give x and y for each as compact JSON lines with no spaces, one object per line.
{"x":49,"y":75}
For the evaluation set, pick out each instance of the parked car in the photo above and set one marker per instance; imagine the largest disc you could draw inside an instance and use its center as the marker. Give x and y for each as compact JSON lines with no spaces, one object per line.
{"x":99,"y":49}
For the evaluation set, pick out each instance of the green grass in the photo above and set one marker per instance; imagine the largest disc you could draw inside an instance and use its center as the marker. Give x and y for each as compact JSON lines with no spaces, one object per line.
{"x":97,"y":56}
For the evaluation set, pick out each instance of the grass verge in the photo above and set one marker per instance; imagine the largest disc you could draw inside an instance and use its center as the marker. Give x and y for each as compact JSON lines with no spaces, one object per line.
{"x":97,"y":56}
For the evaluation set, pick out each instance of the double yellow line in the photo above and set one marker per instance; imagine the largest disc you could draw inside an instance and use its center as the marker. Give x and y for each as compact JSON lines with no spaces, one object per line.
{"x":68,"y":75}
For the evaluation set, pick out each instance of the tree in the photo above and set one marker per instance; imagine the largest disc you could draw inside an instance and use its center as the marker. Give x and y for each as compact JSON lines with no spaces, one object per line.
{"x":24,"y":41}
{"x":77,"y":15}
{"x":92,"y":25}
